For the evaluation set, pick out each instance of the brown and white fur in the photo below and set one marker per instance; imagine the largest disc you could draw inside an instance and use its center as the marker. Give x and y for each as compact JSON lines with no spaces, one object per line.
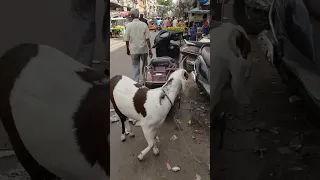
{"x":53,"y":109}
{"x":149,"y":106}
{"x":230,"y":47}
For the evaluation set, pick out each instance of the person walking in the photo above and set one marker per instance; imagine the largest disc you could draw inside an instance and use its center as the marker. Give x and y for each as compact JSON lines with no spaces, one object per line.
{"x":84,"y":14}
{"x":169,"y":24}
{"x":164,"y":24}
{"x":137,"y":38}
{"x":143,"y":19}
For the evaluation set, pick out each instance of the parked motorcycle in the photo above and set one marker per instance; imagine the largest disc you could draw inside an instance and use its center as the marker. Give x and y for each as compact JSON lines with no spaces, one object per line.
{"x":201,"y":69}
{"x":290,"y":48}
{"x":164,"y":47}
{"x":190,"y":51}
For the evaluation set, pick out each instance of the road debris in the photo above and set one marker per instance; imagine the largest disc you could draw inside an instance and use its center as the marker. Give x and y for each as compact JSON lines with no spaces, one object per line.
{"x":284,"y":150}
{"x":175,"y":169}
{"x":133,"y":121}
{"x":111,"y":110}
{"x":260,"y":150}
{"x":293,"y":99}
{"x":114,"y":118}
{"x":168,"y":166}
{"x":274,"y":130}
{"x":137,"y":124}
{"x":198,"y":177}
{"x":295,"y":144}
{"x":174,"y":137}
{"x":295,"y":169}
{"x":189,"y":122}
{"x":157,"y":139}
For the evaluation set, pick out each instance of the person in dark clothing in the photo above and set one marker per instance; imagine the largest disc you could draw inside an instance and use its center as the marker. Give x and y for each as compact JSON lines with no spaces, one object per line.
{"x":84,"y":14}
{"x":143,"y":19}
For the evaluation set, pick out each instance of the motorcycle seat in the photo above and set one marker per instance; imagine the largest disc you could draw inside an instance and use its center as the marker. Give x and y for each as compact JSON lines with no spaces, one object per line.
{"x":205,"y":53}
{"x":161,"y":60}
{"x":197,"y":43}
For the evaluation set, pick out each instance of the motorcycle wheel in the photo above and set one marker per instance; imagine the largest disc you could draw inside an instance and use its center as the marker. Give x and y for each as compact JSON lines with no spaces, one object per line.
{"x":251,"y":19}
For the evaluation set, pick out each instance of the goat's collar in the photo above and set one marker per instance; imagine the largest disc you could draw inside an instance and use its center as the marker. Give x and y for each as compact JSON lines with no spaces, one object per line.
{"x":165,"y":94}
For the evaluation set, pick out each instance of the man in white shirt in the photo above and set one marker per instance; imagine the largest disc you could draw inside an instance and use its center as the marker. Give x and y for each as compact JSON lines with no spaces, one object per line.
{"x":175,"y":22}
{"x":137,"y":37}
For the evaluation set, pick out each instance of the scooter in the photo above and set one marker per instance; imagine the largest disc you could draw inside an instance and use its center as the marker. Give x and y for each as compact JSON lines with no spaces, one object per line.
{"x":201,"y":69}
{"x":190,"y":51}
{"x":164,"y":47}
{"x":289,"y":47}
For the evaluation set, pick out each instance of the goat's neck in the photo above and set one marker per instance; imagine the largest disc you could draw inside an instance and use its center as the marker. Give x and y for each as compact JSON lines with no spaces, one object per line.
{"x":171,"y":92}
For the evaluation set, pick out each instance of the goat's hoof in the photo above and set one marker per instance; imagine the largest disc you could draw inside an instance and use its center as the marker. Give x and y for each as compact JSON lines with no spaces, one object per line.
{"x":132,"y":134}
{"x":140,"y":157}
{"x":156,"y":151}
{"x":123,"y":137}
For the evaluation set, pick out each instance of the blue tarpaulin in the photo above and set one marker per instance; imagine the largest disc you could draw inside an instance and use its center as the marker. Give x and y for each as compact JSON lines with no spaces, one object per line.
{"x":197,"y":11}
{"x":203,"y":2}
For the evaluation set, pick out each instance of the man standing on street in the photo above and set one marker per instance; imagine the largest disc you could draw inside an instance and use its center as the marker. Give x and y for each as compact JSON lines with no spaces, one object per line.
{"x":137,"y":37}
{"x":143,"y":19}
{"x":174,"y":22}
{"x":84,"y":14}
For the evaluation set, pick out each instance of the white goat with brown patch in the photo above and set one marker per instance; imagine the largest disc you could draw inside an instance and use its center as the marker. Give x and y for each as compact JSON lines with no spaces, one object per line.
{"x":149,"y":106}
{"x":229,"y":65}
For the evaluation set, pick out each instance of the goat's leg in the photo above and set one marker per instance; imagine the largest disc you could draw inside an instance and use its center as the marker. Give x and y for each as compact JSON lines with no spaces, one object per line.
{"x":149,"y":134}
{"x":155,"y":147}
{"x":129,"y":127}
{"x":123,"y":128}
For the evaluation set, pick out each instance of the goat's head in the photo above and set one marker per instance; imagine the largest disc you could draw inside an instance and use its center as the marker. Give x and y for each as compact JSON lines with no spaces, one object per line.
{"x":182,"y":76}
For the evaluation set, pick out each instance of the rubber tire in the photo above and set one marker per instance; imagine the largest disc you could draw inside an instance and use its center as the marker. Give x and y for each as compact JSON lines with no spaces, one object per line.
{"x":239,"y":14}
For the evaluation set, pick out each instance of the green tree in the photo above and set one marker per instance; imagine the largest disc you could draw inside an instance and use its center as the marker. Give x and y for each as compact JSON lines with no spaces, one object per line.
{"x":165,"y":2}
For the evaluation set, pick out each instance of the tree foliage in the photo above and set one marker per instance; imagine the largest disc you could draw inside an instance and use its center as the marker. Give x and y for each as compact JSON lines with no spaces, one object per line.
{"x":165,"y":2}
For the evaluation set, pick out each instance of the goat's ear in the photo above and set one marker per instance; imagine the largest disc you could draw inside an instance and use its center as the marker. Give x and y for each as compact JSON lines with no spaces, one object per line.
{"x":185,"y":74}
{"x":243,"y":41}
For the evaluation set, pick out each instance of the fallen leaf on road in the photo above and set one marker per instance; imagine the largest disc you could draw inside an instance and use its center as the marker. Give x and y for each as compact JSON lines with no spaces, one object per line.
{"x":175,"y":169}
{"x":189,"y":122}
{"x":168,"y":166}
{"x":114,"y":118}
{"x":137,"y":124}
{"x":174,"y":137}
{"x":198,"y":177}
{"x":274,"y":130}
{"x":295,"y":169}
{"x":284,"y":150}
